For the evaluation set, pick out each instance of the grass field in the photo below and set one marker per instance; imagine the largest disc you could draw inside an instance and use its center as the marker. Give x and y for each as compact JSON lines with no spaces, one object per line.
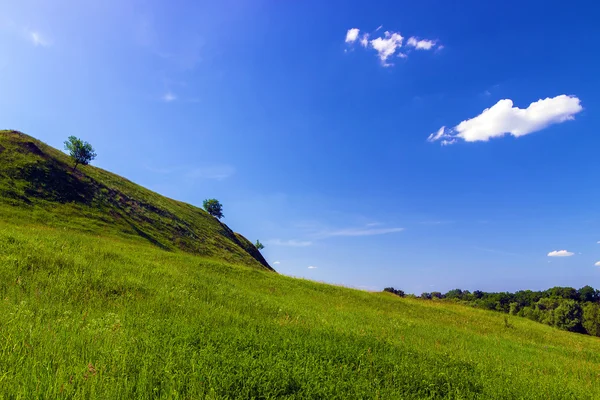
{"x":95,"y":311}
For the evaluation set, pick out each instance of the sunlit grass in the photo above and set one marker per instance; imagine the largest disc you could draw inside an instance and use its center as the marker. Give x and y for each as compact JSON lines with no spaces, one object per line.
{"x":83,"y":316}
{"x":110,"y":291}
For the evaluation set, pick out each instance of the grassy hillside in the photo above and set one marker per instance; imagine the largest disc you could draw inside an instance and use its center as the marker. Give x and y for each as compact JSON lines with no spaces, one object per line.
{"x":38,"y":185}
{"x":98,"y":312}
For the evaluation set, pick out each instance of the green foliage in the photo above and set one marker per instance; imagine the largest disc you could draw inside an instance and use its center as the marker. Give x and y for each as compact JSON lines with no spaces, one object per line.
{"x":588,"y":294}
{"x":397,"y":292}
{"x":568,"y":315}
{"x":81,"y":152}
{"x":591,"y":318}
{"x":561,"y":307}
{"x":213,"y":207}
{"x":259,"y":245}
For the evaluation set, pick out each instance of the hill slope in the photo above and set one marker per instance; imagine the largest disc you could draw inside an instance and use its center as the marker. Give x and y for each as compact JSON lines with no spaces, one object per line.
{"x":99,"y":313}
{"x":38,"y":183}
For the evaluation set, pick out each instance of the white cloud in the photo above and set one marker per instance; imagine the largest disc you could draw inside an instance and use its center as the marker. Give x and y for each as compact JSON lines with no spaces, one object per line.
{"x":276,"y":263}
{"x":169,"y":97}
{"x":359,"y":232}
{"x":386,"y":46}
{"x":447,"y":142}
{"x":37,"y":39}
{"x":598,"y":242}
{"x":312,"y":267}
{"x":436,"y":135}
{"x":420,"y":44}
{"x":352,"y":35}
{"x":217,"y":172}
{"x":503,"y":118}
{"x":560,"y":253}
{"x":597,"y":264}
{"x":364,"y":41}
{"x":290,"y":243}
{"x":389,"y":44}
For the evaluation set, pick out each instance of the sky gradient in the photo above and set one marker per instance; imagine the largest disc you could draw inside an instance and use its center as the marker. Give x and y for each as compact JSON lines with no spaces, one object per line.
{"x":425,"y":146}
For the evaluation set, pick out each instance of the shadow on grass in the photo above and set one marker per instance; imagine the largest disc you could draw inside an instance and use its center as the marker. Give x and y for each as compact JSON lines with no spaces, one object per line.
{"x":52,"y":180}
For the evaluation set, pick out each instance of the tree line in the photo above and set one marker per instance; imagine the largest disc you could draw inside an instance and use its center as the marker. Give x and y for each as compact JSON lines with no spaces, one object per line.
{"x":574,"y":310}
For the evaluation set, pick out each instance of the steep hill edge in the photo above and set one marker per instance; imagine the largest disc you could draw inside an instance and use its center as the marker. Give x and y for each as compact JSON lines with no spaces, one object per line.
{"x":38,"y":184}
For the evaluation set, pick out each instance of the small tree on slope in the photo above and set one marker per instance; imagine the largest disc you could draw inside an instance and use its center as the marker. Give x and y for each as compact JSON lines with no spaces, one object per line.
{"x":81,"y":152}
{"x":213,"y":207}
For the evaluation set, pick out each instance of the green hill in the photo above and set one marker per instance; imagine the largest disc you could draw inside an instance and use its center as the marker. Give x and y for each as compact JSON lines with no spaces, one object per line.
{"x":38,"y":183}
{"x":110,"y":291}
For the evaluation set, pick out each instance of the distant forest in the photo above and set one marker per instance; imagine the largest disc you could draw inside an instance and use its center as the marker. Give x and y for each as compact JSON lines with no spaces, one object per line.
{"x":562,"y":307}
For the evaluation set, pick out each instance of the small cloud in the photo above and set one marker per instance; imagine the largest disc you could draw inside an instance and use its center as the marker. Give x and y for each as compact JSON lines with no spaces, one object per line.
{"x":386,"y":46}
{"x":352,"y":35}
{"x":560,"y":253}
{"x":312,"y":267}
{"x":289,"y":243}
{"x":216,"y":172}
{"x":276,"y":263}
{"x":420,"y":44}
{"x":169,"y":97}
{"x":436,"y":222}
{"x":37,"y":39}
{"x":436,"y":135}
{"x":364,"y":41}
{"x":597,"y":264}
{"x":598,"y":242}
{"x":503,"y":118}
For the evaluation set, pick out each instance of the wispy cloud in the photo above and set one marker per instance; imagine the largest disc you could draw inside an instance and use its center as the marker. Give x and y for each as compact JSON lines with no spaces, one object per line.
{"x":436,"y":222}
{"x":169,"y":97}
{"x":560,"y":253}
{"x":358,"y":232}
{"x":38,"y":39}
{"x":276,"y":262}
{"x":495,"y":251}
{"x":312,"y":267}
{"x":597,"y":264}
{"x":503,"y":118}
{"x":216,"y":172}
{"x":389,"y":44}
{"x":289,"y":243}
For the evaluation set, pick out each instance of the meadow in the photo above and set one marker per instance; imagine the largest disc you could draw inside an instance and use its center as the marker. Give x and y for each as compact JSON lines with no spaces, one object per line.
{"x":86,"y":316}
{"x":110,"y":291}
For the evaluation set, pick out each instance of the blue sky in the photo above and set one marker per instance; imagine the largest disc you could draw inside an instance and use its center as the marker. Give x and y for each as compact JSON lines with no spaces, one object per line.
{"x":368,"y":158}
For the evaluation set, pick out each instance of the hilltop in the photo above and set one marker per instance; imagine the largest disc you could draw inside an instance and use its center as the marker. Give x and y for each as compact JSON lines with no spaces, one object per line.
{"x":40,"y":185}
{"x":111,"y":291}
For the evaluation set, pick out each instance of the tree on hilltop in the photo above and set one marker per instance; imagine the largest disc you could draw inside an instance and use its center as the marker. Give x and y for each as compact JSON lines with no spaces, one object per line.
{"x":213,"y":207}
{"x":81,"y":152}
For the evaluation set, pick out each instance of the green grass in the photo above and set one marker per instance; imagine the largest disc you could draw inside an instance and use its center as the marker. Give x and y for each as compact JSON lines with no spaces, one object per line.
{"x":92,"y":311}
